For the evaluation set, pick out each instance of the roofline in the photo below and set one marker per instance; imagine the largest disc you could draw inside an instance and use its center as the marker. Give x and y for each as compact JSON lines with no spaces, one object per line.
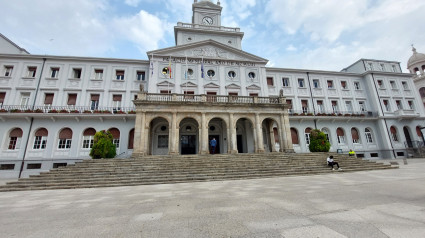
{"x":57,"y":57}
{"x":337,"y":72}
{"x":13,"y":43}
{"x":364,"y":59}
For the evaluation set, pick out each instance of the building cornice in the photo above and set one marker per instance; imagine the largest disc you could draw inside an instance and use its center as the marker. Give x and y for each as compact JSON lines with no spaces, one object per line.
{"x":75,"y":58}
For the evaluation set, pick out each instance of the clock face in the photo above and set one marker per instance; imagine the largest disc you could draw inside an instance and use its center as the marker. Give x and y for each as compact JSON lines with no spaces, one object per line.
{"x":207,"y":21}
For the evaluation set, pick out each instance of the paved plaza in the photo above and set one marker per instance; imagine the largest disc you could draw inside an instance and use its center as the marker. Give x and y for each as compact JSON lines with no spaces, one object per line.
{"x":385,"y":203}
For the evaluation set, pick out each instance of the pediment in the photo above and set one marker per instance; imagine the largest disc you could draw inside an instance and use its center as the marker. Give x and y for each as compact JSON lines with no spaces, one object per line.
{"x":208,"y":50}
{"x":211,"y":85}
{"x":233,"y":86}
{"x":253,"y":87}
{"x":165,"y":84}
{"x":188,"y":85}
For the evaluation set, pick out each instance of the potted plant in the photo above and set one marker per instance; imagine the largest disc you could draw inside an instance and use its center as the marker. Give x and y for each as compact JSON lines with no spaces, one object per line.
{"x":53,"y":111}
{"x":16,"y":111}
{"x":63,"y":111}
{"x":87,"y":111}
{"x":38,"y":110}
{"x":3,"y":110}
{"x":131,"y":112}
{"x":74,"y":111}
{"x":28,"y":111}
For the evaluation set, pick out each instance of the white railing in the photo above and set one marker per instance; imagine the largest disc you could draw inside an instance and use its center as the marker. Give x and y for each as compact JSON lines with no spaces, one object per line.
{"x":66,"y":109}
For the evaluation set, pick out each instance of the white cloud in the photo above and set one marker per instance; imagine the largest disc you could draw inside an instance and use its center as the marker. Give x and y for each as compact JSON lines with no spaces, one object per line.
{"x":133,"y":3}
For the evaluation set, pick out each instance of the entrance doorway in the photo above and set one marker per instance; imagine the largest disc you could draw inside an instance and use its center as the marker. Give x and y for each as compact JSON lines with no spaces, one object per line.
{"x":408,"y":138}
{"x":239,"y":143}
{"x":217,"y":148}
{"x":188,"y":144}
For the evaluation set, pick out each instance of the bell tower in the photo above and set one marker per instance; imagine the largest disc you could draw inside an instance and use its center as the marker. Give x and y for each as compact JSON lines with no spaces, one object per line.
{"x":206,"y":25}
{"x":206,"y":13}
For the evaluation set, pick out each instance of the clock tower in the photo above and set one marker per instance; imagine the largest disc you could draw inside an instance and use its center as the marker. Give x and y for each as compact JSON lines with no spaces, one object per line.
{"x":206,"y":25}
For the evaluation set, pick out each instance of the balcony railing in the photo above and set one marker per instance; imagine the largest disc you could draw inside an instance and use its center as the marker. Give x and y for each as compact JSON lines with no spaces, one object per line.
{"x":332,"y":113}
{"x":215,"y":28}
{"x":66,"y":109}
{"x":158,"y":97}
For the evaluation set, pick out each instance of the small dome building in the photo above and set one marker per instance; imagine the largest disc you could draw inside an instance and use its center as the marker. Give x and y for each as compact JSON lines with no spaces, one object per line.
{"x":416,"y":65}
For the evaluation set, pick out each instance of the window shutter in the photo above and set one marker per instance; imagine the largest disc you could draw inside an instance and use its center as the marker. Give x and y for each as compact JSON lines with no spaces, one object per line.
{"x":42,"y":132}
{"x":294,"y":136}
{"x":269,"y":81}
{"x":354,"y":134}
{"x":2,"y":96}
{"x":393,"y":130}
{"x":333,"y":103}
{"x":329,"y":84}
{"x":319,"y":102}
{"x":343,"y":84}
{"x":418,"y":131}
{"x":117,"y":98}
{"x":65,"y":133}
{"x":308,"y":130}
{"x":115,"y":133}
{"x":120,"y":72}
{"x":72,"y":99}
{"x":95,"y":97}
{"x":304,"y":103}
{"x":17,"y":132}
{"x":89,"y":132}
{"x":131,"y":139}
{"x":339,"y":132}
{"x":48,"y":99}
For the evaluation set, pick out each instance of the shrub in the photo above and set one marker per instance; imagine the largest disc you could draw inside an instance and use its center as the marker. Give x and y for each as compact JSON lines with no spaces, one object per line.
{"x":319,"y":142}
{"x":103,"y":146}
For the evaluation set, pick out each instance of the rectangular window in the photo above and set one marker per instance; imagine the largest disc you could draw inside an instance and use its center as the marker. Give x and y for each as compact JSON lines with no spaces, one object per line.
{"x":98,"y":74}
{"x":253,"y":94}
{"x":316,"y":83}
{"x":72,"y":99}
{"x":301,"y":83}
{"x":380,"y":84}
{"x":94,"y":101}
{"x":76,"y":73}
{"x":344,"y":85}
{"x":40,"y":142}
{"x":411,"y":105}
{"x":162,"y":141}
{"x":48,"y":99}
{"x":116,"y":102}
{"x":2,"y":96}
{"x":357,"y":85}
{"x":335,"y":107}
{"x":33,"y":166}
{"x":393,"y":85}
{"x":189,"y":94}
{"x":405,"y":86}
{"x":399,"y":105}
{"x":304,"y":106}
{"x":120,"y":74}
{"x":368,"y":135}
{"x":307,"y":138}
{"x":7,"y":166}
{"x":285,"y":82}
{"x":387,"y":106}
{"x":211,"y":96}
{"x":140,"y":76}
{"x":320,"y":107}
{"x":116,"y":142}
{"x":8,"y":71}
{"x":348,"y":106}
{"x":25,"y":98}
{"x":362,"y":106}
{"x":64,"y":144}
{"x":289,"y":102}
{"x":165,"y":91}
{"x":31,"y":72}
{"x":54,"y":73}
{"x":57,"y":165}
{"x":270,"y":81}
{"x":14,"y":143}
{"x":330,"y":84}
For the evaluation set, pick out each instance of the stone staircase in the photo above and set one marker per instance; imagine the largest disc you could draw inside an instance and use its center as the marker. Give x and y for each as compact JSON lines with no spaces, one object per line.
{"x":144,"y":170}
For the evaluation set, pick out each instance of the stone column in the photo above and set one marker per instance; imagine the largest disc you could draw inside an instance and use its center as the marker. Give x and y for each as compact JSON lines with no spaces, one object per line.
{"x":272,"y":139}
{"x":174,"y":136}
{"x":259,"y":133}
{"x":287,"y":133}
{"x":140,"y":134}
{"x":204,"y":135}
{"x":232,"y":136}
{"x":283,"y":141}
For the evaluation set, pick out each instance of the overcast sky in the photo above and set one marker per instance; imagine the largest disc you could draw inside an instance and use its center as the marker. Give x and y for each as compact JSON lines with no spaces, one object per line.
{"x":306,"y":34}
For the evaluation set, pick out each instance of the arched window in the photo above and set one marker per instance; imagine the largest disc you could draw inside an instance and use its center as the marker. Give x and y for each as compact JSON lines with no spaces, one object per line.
{"x":131,"y":139}
{"x":368,"y":134}
{"x":422,"y":92}
{"x":419,"y":132}
{"x":15,"y":137}
{"x":40,"y":139}
{"x":116,"y":136}
{"x":340,"y":135}
{"x":326,"y":131}
{"x":355,"y":136}
{"x":307,"y":135}
{"x":294,"y":136}
{"x":88,"y":138}
{"x":65,"y":139}
{"x":394,"y":133}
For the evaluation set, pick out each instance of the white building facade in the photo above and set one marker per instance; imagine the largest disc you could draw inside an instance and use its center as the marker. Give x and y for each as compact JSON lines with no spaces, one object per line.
{"x":206,"y":86}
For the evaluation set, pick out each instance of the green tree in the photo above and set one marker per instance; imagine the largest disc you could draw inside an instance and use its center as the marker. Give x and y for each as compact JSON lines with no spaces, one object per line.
{"x":319,"y":142}
{"x":103,"y":147}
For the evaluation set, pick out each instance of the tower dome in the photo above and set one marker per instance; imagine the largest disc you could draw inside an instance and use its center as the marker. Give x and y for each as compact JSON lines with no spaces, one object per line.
{"x":415,"y":58}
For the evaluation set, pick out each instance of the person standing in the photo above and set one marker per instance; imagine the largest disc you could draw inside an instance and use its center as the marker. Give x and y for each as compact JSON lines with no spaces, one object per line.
{"x":213,"y":144}
{"x":331,"y":162}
